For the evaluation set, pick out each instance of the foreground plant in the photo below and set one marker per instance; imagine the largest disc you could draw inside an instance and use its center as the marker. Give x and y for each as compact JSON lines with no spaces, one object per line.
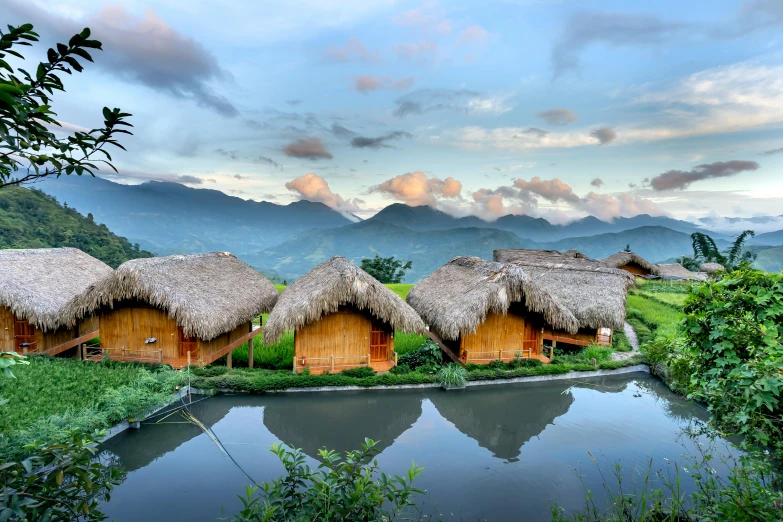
{"x":453,"y":376}
{"x":340,"y":489}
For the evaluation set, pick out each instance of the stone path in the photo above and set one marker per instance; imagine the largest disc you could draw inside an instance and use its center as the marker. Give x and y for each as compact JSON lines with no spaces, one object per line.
{"x":632,"y":340}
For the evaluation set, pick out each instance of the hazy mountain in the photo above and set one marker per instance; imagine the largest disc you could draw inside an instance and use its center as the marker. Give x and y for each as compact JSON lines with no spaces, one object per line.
{"x":769,"y":238}
{"x":428,"y":249}
{"x":31,"y":219}
{"x":172,"y":218}
{"x":527,"y":227}
{"x":769,"y":258}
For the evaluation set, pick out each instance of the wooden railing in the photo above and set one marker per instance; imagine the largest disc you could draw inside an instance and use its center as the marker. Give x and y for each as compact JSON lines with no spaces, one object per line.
{"x":329,"y":363}
{"x":523,"y":352}
{"x":97,"y":353}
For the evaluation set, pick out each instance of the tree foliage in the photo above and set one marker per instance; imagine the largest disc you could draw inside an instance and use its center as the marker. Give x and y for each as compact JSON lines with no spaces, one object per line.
{"x":29,"y":150}
{"x":705,"y":250}
{"x":31,"y":219}
{"x":340,"y":489}
{"x":387,"y":270}
{"x":731,"y":345}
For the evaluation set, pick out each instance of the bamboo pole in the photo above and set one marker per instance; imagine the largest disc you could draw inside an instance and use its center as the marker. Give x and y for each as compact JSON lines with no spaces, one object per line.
{"x":368,"y":359}
{"x":188,"y":359}
{"x":294,"y":363}
{"x":331,"y":362}
{"x":229,"y":360}
{"x":250,"y":353}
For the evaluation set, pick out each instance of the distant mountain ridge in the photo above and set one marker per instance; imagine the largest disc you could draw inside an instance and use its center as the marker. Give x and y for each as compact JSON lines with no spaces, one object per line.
{"x":171,"y":218}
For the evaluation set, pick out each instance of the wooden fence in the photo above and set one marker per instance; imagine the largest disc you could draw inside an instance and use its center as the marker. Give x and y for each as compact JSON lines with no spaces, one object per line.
{"x":331,"y":362}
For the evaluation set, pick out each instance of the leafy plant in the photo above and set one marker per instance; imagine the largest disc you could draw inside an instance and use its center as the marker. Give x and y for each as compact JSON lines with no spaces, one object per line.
{"x":705,"y":250}
{"x":340,"y":489}
{"x":453,"y":376}
{"x":401,"y":369}
{"x":26,"y":144}
{"x":9,"y":360}
{"x":387,"y":270}
{"x":428,"y":354}
{"x":361,"y":372}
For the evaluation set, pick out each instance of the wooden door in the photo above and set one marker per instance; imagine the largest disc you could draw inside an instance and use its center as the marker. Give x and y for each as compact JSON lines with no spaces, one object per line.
{"x":24,"y":333}
{"x":187,"y":344}
{"x":530,"y":337}
{"x":379,"y":342}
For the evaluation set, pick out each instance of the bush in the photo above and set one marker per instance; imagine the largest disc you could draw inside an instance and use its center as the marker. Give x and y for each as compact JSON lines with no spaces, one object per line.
{"x":524,"y":363}
{"x":497,"y":365}
{"x":620,"y":342}
{"x":453,"y":376}
{"x":360,"y":373}
{"x":599,"y":353}
{"x":341,"y":489}
{"x":400,"y":369}
{"x":426,"y":355}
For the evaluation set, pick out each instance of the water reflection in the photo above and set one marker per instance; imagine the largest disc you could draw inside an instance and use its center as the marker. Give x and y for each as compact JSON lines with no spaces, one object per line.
{"x":498,"y":452}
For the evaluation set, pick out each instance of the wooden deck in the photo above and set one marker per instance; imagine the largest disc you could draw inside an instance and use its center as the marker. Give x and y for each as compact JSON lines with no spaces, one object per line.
{"x":378,"y":366}
{"x":543,"y":358}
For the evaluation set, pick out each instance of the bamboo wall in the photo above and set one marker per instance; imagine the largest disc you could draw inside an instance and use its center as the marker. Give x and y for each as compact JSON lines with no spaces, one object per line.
{"x":48,"y":340}
{"x":207,"y":348}
{"x":88,"y":324}
{"x":345,"y":333}
{"x":128,"y":327}
{"x":6,"y":330}
{"x":504,"y":333}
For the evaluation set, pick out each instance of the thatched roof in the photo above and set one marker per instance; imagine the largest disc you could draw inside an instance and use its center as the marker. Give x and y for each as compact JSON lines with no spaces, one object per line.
{"x":206,"y":294}
{"x":677,"y":271}
{"x":621,"y":259}
{"x":709,"y":268}
{"x":37,"y":284}
{"x":593,"y":292}
{"x":457,"y":297}
{"x":334,"y":283}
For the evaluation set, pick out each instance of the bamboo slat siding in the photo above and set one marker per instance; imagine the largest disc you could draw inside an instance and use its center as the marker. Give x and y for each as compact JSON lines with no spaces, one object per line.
{"x":43,"y":342}
{"x":6,"y":330}
{"x":501,"y":333}
{"x":129,"y":327}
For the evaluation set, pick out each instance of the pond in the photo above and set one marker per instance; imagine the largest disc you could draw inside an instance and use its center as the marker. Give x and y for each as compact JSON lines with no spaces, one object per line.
{"x":493,"y":452}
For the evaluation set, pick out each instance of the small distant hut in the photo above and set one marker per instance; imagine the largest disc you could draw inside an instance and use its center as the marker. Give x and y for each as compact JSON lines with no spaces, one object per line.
{"x":675,"y":272}
{"x":711,"y":268}
{"x":632,"y":263}
{"x":161,"y":309}
{"x":485,"y":310}
{"x":342,"y":317}
{"x":36,"y":286}
{"x":594,"y":293}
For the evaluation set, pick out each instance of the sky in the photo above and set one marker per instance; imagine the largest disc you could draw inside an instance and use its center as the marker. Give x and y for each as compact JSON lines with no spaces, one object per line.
{"x":551,"y":108}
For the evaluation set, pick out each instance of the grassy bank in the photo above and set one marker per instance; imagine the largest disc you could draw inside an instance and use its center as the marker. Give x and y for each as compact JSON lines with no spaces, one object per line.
{"x":50,"y":396}
{"x":259,"y":381}
{"x":651,"y":318}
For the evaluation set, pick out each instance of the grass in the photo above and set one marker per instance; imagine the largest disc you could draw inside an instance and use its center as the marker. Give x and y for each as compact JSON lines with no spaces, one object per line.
{"x":52,"y":395}
{"x":651,"y":318}
{"x":400,"y":289}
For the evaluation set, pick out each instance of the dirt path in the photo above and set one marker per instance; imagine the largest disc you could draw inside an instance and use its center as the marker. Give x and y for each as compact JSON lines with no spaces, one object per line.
{"x":632,"y":340}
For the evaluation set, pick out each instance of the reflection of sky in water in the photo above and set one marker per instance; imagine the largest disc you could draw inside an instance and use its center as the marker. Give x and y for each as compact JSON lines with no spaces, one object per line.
{"x":496,"y":451}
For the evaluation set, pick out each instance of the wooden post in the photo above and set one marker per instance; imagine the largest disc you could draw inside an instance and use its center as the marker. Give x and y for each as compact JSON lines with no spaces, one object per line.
{"x":500,"y":355}
{"x":250,"y":352}
{"x":24,"y":350}
{"x":79,"y":351}
{"x":84,"y":352}
{"x":188,"y":358}
{"x":331,"y":362}
{"x":229,"y":360}
{"x":395,"y":358}
{"x":294,"y":363}
{"x":368,"y":360}
{"x":552,"y":350}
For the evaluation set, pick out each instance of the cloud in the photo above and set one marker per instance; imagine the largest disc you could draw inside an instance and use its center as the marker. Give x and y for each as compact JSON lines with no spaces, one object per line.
{"x":142,"y":50}
{"x":149,"y":176}
{"x":616,"y":29}
{"x":193,"y":180}
{"x":293,"y":103}
{"x":240,"y":177}
{"x":604,"y":135}
{"x":268,"y":161}
{"x":462,"y":100}
{"x":597,"y":182}
{"x":680,"y":179}
{"x":363,"y":142}
{"x":313,"y":187}
{"x":427,"y":19}
{"x":354,"y":50}
{"x":552,"y":190}
{"x":771,"y":152}
{"x":536,"y":131}
{"x":341,"y":132}
{"x":309,"y":148}
{"x":558,"y":116}
{"x":366,"y":84}
{"x":415,"y":189}
{"x":473,"y":35}
{"x":425,"y":50}
{"x":514,"y":138}
{"x":754,"y":15}
{"x":230,"y":154}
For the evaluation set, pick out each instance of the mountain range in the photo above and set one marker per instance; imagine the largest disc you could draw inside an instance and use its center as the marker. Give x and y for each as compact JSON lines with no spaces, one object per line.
{"x":287,"y":240}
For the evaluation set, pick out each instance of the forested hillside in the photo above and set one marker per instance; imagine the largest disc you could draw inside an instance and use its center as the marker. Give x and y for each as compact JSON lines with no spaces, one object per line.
{"x":31,"y":219}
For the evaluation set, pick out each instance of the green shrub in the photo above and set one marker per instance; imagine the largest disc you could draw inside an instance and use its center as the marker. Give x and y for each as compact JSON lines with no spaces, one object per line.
{"x":620,"y":342}
{"x":497,"y":365}
{"x":453,"y":376}
{"x":401,"y":369}
{"x":428,"y":354}
{"x":360,"y":373}
{"x":599,"y":353}
{"x":340,"y":489}
{"x":524,"y":363}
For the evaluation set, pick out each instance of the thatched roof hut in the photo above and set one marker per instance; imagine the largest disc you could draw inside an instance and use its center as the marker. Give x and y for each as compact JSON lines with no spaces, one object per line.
{"x":710,"y":268}
{"x":677,"y":271}
{"x":457,"y":297}
{"x":594,"y":293}
{"x":625,"y":259}
{"x":334,"y":283}
{"x":206,"y":294}
{"x":38,"y":284}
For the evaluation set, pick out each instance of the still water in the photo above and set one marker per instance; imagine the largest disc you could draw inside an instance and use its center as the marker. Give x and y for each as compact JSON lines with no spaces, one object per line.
{"x":491,"y":452}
